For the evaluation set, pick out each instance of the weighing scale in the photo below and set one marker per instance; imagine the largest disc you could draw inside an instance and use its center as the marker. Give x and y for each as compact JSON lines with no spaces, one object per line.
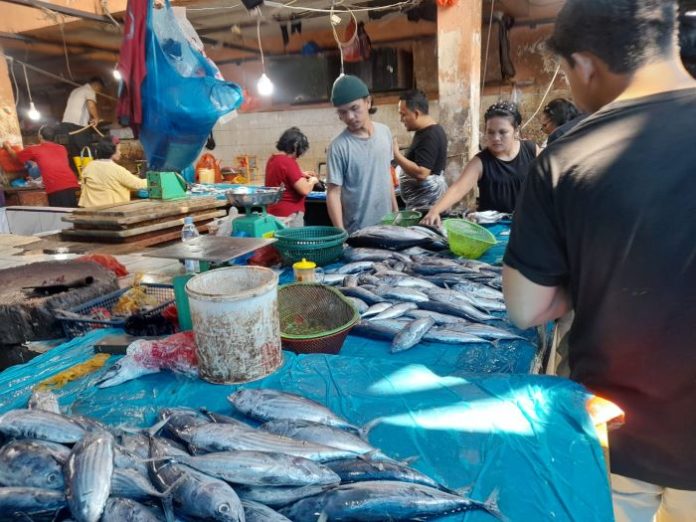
{"x":165,"y":185}
{"x":255,"y":224}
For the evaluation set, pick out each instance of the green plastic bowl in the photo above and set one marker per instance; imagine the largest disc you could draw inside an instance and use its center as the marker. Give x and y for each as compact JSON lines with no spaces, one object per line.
{"x":468,"y":239}
{"x":403,"y":218}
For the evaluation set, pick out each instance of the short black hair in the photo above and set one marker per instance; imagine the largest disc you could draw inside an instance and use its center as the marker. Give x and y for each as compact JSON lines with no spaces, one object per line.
{"x":105,"y":148}
{"x":415,"y":100}
{"x":625,"y":34}
{"x":48,"y":132}
{"x":504,"y":109}
{"x":293,"y":141}
{"x":97,"y":79}
{"x":560,"y":111}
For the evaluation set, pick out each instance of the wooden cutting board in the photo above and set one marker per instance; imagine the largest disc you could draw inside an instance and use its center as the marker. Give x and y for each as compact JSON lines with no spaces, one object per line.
{"x":141,"y":210}
{"x":138,"y":230}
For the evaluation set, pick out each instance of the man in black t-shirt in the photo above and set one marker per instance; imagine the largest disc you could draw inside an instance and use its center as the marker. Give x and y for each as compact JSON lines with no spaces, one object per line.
{"x":606,"y":226}
{"x":422,"y":181}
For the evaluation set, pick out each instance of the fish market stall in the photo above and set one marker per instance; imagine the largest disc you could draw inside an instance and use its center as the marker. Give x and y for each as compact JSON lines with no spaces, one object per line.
{"x":521,"y":447}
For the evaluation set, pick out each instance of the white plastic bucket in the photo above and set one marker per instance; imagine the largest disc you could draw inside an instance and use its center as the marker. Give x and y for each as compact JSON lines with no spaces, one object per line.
{"x":234,"y":314}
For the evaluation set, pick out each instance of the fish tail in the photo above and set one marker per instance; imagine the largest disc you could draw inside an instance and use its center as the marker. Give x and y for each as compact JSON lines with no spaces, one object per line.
{"x":364,"y":432}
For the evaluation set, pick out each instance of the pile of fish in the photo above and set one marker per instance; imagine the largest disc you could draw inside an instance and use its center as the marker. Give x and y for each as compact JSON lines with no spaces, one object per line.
{"x":302,"y":463}
{"x":411,"y":295}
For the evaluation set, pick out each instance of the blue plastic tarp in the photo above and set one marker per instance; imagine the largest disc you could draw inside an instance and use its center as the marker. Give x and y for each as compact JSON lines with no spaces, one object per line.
{"x":525,"y":440}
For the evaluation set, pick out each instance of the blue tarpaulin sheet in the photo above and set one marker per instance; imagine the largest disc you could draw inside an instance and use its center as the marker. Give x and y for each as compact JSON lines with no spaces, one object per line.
{"x":526,"y":441}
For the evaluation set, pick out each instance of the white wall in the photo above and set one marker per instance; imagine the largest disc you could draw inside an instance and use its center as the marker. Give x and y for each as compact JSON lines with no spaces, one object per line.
{"x":256,"y":133}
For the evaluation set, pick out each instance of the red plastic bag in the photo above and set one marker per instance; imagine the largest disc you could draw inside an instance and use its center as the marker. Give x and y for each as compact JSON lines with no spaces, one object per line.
{"x":106,"y":261}
{"x":8,"y":163}
{"x":359,"y":46}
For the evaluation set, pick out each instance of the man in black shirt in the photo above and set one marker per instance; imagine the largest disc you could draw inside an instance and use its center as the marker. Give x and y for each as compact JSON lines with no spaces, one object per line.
{"x":606,"y":225}
{"x":422,"y":182}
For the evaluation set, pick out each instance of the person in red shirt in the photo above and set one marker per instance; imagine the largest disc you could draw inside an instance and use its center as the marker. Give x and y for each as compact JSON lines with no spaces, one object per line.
{"x":60,"y":181}
{"x":282,"y":168}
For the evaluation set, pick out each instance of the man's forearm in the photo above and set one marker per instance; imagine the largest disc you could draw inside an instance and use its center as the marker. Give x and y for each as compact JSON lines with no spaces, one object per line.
{"x":333,"y":205}
{"x":411,"y":168}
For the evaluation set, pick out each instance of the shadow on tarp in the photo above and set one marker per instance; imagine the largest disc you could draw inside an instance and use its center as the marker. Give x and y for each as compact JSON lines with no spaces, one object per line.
{"x":526,"y":439}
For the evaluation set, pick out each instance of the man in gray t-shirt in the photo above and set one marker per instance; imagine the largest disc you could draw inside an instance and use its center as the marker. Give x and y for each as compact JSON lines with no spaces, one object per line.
{"x":360,"y":190}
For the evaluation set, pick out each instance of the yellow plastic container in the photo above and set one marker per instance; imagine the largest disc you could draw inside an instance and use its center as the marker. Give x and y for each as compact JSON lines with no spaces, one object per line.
{"x":307,"y":272}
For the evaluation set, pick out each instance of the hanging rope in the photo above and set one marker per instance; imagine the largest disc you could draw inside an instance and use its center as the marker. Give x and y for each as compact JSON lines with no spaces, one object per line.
{"x":340,"y":44}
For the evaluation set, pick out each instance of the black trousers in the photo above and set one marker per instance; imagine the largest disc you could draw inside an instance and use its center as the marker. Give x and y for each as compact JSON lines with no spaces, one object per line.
{"x":63,"y":198}
{"x":76,"y":142}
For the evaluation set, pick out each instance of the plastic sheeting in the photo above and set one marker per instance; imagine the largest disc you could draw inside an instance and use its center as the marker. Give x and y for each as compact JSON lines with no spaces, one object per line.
{"x":421,"y":194}
{"x":526,"y":440}
{"x":183,"y":95}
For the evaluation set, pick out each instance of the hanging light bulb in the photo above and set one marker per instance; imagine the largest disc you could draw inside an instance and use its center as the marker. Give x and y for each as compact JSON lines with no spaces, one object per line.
{"x":117,"y":74}
{"x":33,"y":114}
{"x":265,"y":85}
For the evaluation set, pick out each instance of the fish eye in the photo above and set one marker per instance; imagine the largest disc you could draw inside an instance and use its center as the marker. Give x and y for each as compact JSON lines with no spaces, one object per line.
{"x":51,"y":477}
{"x":224,"y":508}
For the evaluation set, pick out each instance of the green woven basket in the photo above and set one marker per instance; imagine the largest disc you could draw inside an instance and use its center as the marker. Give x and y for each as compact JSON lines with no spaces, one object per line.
{"x":403,"y":218}
{"x":468,"y":239}
{"x":322,"y":245}
{"x":314,"y":318}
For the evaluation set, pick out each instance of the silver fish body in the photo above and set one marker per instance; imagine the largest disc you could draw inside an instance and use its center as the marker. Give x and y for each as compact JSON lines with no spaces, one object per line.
{"x":478,"y":290}
{"x":412,"y":334}
{"x":395,"y":311}
{"x":128,"y":510}
{"x":361,"y":470}
{"x":320,"y":434}
{"x":488,"y":332}
{"x":231,"y":437}
{"x":32,"y":463}
{"x":195,"y":493}
{"x":355,"y":267}
{"x":376,"y":309}
{"x":351,"y":281}
{"x":459,"y":309}
{"x":21,"y":503}
{"x":445,"y":335}
{"x":379,"y":501}
{"x":129,"y":483}
{"x":255,"y":468}
{"x":440,"y":319}
{"x":265,"y":405}
{"x":360,"y":305}
{"x":278,"y":497}
{"x":372,"y":254}
{"x":362,"y":293}
{"x":42,"y":425}
{"x":255,"y":512}
{"x":402,"y":294}
{"x":88,"y":472}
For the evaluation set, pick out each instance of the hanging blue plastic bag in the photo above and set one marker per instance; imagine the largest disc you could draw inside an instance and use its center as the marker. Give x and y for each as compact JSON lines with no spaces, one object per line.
{"x":183,"y":95}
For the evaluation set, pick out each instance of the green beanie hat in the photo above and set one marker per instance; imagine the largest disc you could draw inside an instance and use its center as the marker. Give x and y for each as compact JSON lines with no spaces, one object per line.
{"x":348,"y":88}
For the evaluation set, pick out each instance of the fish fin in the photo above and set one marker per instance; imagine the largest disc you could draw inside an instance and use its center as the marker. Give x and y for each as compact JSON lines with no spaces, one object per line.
{"x":153,"y":430}
{"x":409,"y":460}
{"x":168,"y":508}
{"x":491,"y":505}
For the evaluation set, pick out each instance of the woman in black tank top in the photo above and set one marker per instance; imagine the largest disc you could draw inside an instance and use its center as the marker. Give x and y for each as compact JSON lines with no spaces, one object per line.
{"x":499,"y":170}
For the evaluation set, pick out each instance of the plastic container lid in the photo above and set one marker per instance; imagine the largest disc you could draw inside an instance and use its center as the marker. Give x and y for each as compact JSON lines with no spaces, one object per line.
{"x":304,"y":265}
{"x":188,"y":220}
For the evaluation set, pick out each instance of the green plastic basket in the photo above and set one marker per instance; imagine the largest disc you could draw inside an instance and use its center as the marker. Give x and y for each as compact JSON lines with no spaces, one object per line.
{"x":403,"y":218}
{"x":314,"y":318}
{"x":468,"y":239}
{"x":322,"y":245}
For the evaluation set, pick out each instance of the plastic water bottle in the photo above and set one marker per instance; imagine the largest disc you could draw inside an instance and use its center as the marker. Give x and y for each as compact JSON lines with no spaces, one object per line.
{"x":188,"y":232}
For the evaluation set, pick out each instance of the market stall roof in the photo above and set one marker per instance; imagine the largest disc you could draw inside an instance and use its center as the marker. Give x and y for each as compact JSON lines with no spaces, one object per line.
{"x":88,"y":43}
